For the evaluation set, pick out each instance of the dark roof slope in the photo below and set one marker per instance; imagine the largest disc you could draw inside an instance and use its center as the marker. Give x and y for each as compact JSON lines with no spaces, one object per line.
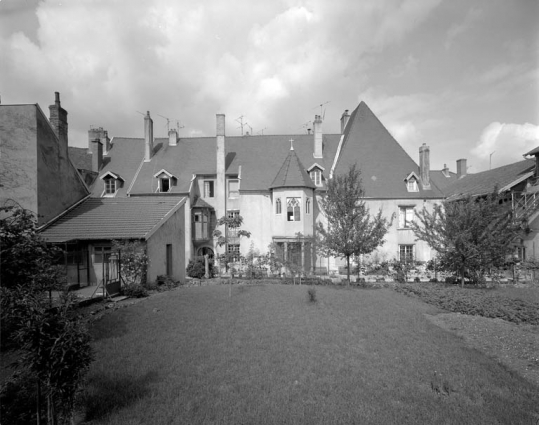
{"x":534,"y":151}
{"x":485,"y":182}
{"x":441,"y":180}
{"x":80,"y":158}
{"x":123,"y":159}
{"x":260,"y":158}
{"x":111,"y":218}
{"x":292,"y":173}
{"x":384,"y":164}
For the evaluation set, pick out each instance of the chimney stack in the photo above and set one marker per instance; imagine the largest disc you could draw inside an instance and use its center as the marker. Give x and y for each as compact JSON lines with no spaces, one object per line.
{"x":317,"y":137}
{"x":424,"y":166}
{"x":172,"y":137}
{"x":445,"y":171}
{"x":461,"y":168}
{"x":58,"y":120}
{"x":344,"y":120}
{"x":148,"y":137}
{"x":220,"y":184}
{"x":97,"y":155}
{"x":106,"y":142}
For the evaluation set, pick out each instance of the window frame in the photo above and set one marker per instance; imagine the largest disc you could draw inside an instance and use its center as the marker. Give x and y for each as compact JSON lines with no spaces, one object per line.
{"x":316,"y":176}
{"x":412,"y":185}
{"x":209,"y":189}
{"x":278,"y":206}
{"x":404,"y":255}
{"x":404,"y":222}
{"x":293,"y":208}
{"x":234,"y":249}
{"x":308,"y":206}
{"x":109,"y":182}
{"x":236,"y":192}
{"x":160,"y":186}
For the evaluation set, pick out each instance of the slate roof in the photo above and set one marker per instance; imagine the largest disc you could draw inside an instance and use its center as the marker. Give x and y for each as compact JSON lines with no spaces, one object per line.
{"x":80,"y":158}
{"x":384,"y":164}
{"x":260,"y":158}
{"x":485,"y":182}
{"x":441,"y":180}
{"x":123,"y":159}
{"x":292,"y":174}
{"x":532,"y":152}
{"x":112,"y":218}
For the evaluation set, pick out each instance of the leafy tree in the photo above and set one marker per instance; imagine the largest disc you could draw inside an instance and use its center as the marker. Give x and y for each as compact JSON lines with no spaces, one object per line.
{"x":351,"y":230}
{"x":133,"y":261}
{"x":53,"y":341}
{"x":470,"y":235}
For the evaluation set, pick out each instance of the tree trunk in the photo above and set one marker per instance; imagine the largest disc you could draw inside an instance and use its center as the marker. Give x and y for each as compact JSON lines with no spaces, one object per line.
{"x":348,"y":268}
{"x":38,"y":402}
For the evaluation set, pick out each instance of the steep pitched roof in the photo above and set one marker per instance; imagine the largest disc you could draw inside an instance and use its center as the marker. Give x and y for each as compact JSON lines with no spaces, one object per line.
{"x":384,"y":164}
{"x":80,"y":158}
{"x":260,"y":158}
{"x":112,"y":218}
{"x":485,"y":182}
{"x":124,"y":159}
{"x":292,"y":173}
{"x":534,"y":151}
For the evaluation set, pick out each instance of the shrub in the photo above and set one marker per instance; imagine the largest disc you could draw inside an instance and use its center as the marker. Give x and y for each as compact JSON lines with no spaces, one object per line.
{"x":311,"y":292}
{"x":452,"y":280}
{"x":417,"y":280}
{"x":197,"y":269}
{"x":433,"y":280}
{"x":135,"y":290}
{"x":166,"y":282}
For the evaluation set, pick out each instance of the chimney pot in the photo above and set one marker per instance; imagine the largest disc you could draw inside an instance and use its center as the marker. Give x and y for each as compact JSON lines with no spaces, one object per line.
{"x":58,"y":120}
{"x":318,"y":138}
{"x":344,"y":120}
{"x":172,"y":137}
{"x":148,"y":137}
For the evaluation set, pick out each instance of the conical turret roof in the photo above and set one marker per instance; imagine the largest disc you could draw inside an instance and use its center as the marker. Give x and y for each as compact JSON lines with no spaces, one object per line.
{"x":292,"y":173}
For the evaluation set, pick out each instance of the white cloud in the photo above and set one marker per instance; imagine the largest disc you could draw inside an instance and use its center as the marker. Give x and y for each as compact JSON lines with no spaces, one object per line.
{"x":459,"y":28}
{"x":508,"y":142}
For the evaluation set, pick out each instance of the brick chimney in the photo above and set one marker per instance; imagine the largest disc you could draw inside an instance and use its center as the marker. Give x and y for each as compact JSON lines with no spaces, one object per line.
{"x":344,"y":120}
{"x":424,"y":166}
{"x":317,"y":124}
{"x":220,"y":184}
{"x":106,"y":142}
{"x":461,"y":168}
{"x":148,"y":137}
{"x":172,"y":137}
{"x":58,"y":120}
{"x":97,"y":155}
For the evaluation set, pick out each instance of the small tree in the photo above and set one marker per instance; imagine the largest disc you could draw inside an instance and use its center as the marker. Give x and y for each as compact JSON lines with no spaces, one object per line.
{"x":133,"y":261}
{"x":351,"y":230}
{"x":470,"y":235}
{"x":54,"y":342}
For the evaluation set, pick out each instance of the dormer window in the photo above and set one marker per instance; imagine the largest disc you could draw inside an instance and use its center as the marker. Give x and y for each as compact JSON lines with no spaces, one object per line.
{"x":315,"y":172}
{"x":411,"y":182}
{"x":165,"y":181}
{"x":111,"y":183}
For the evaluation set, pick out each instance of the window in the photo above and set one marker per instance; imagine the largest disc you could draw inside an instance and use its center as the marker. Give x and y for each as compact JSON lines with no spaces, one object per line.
{"x":406,"y":217}
{"x":278,"y":208}
{"x":406,"y":253}
{"x":233,"y":189}
{"x":110,"y":186}
{"x":164,"y":185}
{"x":208,"y":189}
{"x":411,"y":185}
{"x":316,"y":177}
{"x":234,"y":250}
{"x":201,"y":230}
{"x":521,"y":253}
{"x":308,"y":206}
{"x":293,"y":209}
{"x":101,"y":254}
{"x":232,"y":230}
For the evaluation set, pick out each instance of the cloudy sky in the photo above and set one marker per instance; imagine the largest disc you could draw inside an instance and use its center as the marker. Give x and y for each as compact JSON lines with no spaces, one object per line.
{"x":459,"y":75}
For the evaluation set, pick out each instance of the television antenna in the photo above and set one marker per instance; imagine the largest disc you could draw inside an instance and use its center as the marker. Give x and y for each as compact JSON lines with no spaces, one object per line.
{"x":262,"y":131}
{"x":322,"y":109}
{"x":247,"y":125}
{"x":178,"y":126}
{"x":240,"y":120}
{"x":168,"y":122}
{"x":308,"y":125}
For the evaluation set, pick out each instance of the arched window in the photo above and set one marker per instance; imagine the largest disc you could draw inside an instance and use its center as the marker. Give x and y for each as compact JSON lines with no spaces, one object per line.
{"x":308,"y":206}
{"x":293,"y":209}
{"x":278,"y":209}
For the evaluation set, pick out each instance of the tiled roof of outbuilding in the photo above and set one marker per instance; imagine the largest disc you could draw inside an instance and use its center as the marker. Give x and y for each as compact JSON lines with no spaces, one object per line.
{"x":485,"y":182}
{"x":112,"y":218}
{"x":292,"y":173}
{"x":441,"y":180}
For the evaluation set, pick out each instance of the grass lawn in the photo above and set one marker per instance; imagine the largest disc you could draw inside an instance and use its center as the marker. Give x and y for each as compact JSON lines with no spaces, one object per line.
{"x":268,"y":356}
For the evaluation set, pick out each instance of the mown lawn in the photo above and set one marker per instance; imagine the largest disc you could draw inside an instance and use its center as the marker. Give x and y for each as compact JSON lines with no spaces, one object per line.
{"x":268,"y":356}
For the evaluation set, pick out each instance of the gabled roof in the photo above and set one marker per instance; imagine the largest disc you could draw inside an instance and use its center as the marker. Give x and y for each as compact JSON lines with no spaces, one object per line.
{"x":292,"y":173}
{"x":112,"y":218}
{"x":483,"y":183}
{"x":163,"y":171}
{"x":111,"y":174}
{"x":260,"y":157}
{"x":532,"y":152}
{"x":201,"y":203}
{"x":384,"y":164}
